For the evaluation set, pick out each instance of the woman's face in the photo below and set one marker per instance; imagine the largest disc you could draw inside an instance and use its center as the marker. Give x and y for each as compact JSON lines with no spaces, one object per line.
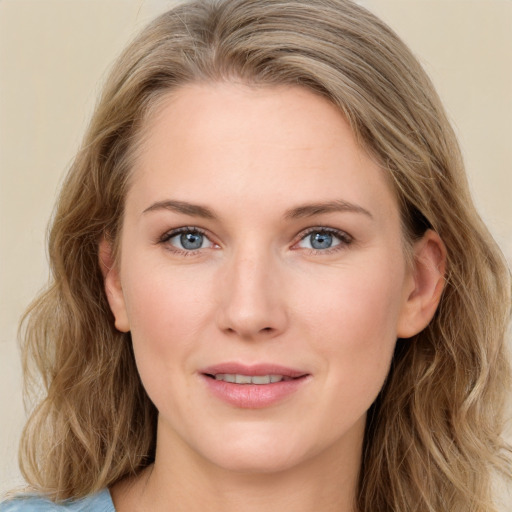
{"x":259,"y":240}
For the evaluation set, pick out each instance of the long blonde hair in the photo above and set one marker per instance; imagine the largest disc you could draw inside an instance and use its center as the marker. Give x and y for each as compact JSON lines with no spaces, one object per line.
{"x":433,"y":437}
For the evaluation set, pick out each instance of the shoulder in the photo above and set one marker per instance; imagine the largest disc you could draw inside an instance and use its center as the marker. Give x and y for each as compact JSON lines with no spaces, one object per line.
{"x":100,"y":502}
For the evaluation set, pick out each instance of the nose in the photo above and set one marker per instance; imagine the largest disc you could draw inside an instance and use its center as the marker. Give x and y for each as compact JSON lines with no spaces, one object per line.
{"x":252,"y":301}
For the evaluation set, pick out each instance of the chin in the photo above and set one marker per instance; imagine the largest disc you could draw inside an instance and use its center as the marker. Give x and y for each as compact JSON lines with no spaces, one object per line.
{"x":258,"y":462}
{"x":259,"y":452}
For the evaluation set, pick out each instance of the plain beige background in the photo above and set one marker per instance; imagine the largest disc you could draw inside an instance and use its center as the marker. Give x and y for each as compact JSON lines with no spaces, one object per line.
{"x":53,"y":58}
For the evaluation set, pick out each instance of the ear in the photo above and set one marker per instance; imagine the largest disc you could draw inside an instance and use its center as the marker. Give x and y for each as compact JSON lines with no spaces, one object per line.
{"x":112,"y":283}
{"x":426,"y":285}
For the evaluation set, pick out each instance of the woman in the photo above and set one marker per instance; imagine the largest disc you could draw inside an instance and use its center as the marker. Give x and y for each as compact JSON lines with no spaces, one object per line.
{"x":271,"y":287}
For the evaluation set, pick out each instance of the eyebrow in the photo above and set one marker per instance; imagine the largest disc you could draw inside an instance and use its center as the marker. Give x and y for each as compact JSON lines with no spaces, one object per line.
{"x":310,"y":210}
{"x":299,"y":212}
{"x":194,"y":210}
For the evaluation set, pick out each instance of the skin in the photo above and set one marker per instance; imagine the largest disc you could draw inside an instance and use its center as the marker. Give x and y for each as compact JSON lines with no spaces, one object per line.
{"x":257,"y":292}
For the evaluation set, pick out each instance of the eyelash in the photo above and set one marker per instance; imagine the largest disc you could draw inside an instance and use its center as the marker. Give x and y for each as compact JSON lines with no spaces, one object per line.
{"x":344,"y":239}
{"x":164,"y":239}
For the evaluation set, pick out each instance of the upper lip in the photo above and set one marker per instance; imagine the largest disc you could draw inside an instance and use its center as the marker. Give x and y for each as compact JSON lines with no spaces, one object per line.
{"x":252,"y":369}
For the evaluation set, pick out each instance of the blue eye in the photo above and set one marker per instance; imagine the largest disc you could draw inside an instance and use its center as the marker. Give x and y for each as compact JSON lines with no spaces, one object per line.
{"x":191,"y":241}
{"x":323,"y":239}
{"x":188,"y":240}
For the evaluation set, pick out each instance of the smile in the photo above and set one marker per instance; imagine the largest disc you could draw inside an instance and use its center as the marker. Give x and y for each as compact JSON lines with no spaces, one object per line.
{"x":253,"y":386}
{"x":236,"y":378}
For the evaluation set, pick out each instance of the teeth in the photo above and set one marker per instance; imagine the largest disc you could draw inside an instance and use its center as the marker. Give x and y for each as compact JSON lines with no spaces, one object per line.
{"x":250,"y":379}
{"x":263,"y":379}
{"x":243,"y":379}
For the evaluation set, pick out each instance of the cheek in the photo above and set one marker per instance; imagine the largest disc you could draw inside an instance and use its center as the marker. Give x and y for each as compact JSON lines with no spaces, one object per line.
{"x":163,"y":299}
{"x":353,"y":323}
{"x":167,"y":313}
{"x":354,"y":301}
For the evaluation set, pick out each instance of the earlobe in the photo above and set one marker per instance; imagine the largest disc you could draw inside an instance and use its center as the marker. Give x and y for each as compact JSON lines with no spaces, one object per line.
{"x":428,"y":278}
{"x":112,"y":284}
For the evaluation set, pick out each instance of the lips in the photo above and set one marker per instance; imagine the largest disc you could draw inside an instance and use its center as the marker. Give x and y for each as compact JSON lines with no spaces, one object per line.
{"x":238,"y":378}
{"x":252,"y":386}
{"x":253,"y":370}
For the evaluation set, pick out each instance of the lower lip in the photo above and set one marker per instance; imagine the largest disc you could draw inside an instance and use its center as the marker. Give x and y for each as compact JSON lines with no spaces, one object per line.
{"x":253,"y":396}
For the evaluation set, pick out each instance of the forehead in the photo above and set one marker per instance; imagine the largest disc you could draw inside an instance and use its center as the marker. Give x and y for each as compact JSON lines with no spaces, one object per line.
{"x":214,"y":110}
{"x":225,"y":140}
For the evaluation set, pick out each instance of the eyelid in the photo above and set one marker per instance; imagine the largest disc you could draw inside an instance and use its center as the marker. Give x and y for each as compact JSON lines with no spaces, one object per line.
{"x":168,"y":235}
{"x":344,"y":238}
{"x":183,"y":229}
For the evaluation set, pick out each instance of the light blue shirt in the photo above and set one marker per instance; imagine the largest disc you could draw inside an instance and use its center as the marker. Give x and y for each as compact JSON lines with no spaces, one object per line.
{"x":100,"y":502}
